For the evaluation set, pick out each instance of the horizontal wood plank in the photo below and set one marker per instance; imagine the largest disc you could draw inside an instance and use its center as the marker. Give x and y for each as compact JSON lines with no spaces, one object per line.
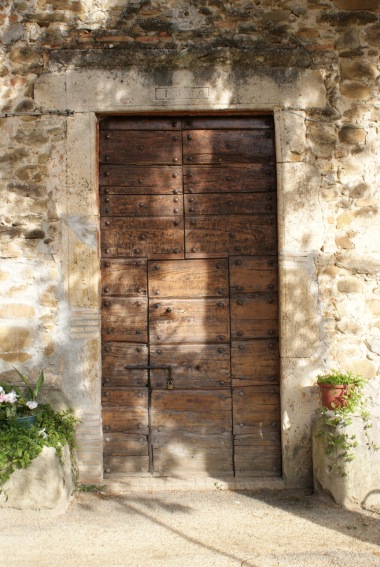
{"x":257,"y":459}
{"x":254,"y":316}
{"x":189,"y":320}
{"x":140,"y":180}
{"x":254,"y":404}
{"x":121,"y":444}
{"x":255,"y":360}
{"x":220,"y":236}
{"x":140,"y":147}
{"x":140,"y":123}
{"x":140,"y":206}
{"x":265,"y":435}
{"x":124,"y":319}
{"x":228,"y":122}
{"x":241,"y":178}
{"x":188,"y":278}
{"x":124,"y":277}
{"x":250,"y":274}
{"x":184,"y":412}
{"x":177,"y":461}
{"x":191,"y":439}
{"x":230,"y":204}
{"x":116,"y":356}
{"x":193,"y":366}
{"x":142,"y":237}
{"x":132,"y":419}
{"x":227,"y":146}
{"x":130,"y":398}
{"x":127,"y":466}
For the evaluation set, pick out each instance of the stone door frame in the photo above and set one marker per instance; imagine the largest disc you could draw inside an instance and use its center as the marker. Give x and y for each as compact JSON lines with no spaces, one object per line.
{"x":88,"y":94}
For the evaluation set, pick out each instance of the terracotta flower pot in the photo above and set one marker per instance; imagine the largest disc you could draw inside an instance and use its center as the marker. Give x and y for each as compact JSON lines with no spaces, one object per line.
{"x":334,"y":396}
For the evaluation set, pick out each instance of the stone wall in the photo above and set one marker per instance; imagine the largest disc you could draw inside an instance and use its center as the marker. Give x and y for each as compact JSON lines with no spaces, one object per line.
{"x":314,"y":63}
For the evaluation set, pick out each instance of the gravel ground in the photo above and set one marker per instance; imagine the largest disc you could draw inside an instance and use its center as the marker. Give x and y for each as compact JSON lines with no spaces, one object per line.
{"x":188,"y":528}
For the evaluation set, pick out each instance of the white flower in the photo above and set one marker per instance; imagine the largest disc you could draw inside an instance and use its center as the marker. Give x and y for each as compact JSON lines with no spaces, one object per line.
{"x":11,"y":397}
{"x":31,"y":404}
{"x":42,"y":433}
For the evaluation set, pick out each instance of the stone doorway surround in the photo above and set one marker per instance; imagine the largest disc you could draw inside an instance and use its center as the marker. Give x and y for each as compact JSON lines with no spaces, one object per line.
{"x":301,"y":227}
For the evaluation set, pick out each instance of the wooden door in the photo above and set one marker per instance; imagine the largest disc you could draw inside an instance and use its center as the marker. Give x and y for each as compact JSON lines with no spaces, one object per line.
{"x":190,"y":350}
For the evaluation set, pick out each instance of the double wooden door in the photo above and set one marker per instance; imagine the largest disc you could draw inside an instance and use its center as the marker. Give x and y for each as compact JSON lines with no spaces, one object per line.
{"x":190,"y":353}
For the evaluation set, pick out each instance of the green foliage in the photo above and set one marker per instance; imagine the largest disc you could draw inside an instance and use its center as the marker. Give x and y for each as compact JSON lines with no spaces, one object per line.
{"x":32,"y":393}
{"x":91,"y":488}
{"x":19,"y":446}
{"x":337,"y":377}
{"x":338,"y":443}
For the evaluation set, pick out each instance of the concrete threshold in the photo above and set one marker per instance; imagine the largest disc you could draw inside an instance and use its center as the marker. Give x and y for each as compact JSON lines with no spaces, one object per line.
{"x":192,"y":483}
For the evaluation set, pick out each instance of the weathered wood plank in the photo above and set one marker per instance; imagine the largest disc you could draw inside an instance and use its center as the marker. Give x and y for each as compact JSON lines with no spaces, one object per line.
{"x":121,"y":444}
{"x":225,"y":122}
{"x":191,"y":439}
{"x":177,"y":461}
{"x":249,"y":274}
{"x":254,"y":329}
{"x":230,"y":204}
{"x":125,"y":420}
{"x":265,"y":435}
{"x":254,"y":404}
{"x":188,"y":278}
{"x":193,"y":366}
{"x":254,"y":315}
{"x":255,"y":360}
{"x":173,"y":401}
{"x":242,"y":178}
{"x":115,"y":356}
{"x":140,"y":147}
{"x":140,"y":123}
{"x":141,"y":205}
{"x":221,"y":236}
{"x":189,"y":320}
{"x":227,"y":146}
{"x":124,"y":319}
{"x":130,"y":398}
{"x":142,"y":237}
{"x":202,"y":412}
{"x":140,"y":180}
{"x":257,"y":459}
{"x":254,"y":306}
{"x":127,"y":466}
{"x":124,"y":277}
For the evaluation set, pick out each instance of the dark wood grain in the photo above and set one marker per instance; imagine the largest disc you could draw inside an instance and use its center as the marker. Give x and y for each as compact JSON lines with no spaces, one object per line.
{"x":230,"y":204}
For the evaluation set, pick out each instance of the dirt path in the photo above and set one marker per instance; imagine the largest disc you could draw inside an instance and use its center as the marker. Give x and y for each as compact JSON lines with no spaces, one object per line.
{"x":180,"y":529}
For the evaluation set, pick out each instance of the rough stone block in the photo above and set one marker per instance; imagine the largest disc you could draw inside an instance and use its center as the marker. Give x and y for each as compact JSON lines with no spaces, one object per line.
{"x":357,"y":69}
{"x":46,"y":484}
{"x":360,"y":486}
{"x":350,"y":285}
{"x":351,"y":134}
{"x":355,"y":89}
{"x":357,"y":4}
{"x":16,"y":310}
{"x":301,"y":333}
{"x":14,"y":338}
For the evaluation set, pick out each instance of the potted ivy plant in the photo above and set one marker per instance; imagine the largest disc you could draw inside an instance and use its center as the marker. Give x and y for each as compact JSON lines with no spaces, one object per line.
{"x":342,"y":397}
{"x":340,"y":388}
